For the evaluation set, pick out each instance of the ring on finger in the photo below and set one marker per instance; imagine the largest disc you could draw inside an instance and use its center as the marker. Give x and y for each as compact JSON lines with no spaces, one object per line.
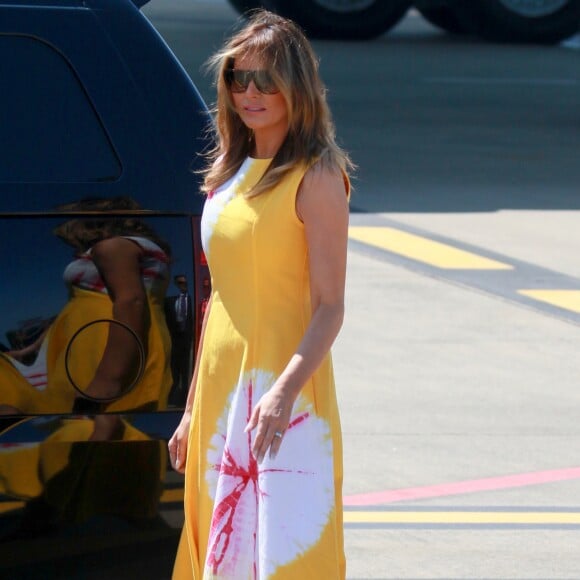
{"x":278,"y":434}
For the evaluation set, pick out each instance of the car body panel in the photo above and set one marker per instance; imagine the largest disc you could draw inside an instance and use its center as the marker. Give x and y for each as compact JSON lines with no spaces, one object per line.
{"x":102,"y":131}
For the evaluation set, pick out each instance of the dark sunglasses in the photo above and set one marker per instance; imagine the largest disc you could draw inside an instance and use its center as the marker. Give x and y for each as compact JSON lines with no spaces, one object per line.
{"x":238,"y":81}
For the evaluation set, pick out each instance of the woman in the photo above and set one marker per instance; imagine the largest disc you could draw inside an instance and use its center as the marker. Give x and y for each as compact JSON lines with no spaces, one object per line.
{"x":261,"y":430}
{"x":120,"y":271}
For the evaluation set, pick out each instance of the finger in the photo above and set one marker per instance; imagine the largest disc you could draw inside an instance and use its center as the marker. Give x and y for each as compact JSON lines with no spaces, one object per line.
{"x":172,"y":456}
{"x":181,"y":457}
{"x":176,"y":454}
{"x":259,"y":438}
{"x":276,"y":443}
{"x":253,"y":419}
{"x":266,"y":442}
{"x":171,"y":449}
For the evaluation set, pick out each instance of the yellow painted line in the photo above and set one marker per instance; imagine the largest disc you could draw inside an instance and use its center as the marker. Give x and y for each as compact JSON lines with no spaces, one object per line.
{"x":567,"y":299}
{"x":458,"y":517}
{"x":9,"y":506}
{"x":172,"y":495}
{"x":423,"y":250}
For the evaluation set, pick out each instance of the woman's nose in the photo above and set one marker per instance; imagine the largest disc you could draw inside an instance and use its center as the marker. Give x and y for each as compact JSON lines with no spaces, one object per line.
{"x":252,"y":89}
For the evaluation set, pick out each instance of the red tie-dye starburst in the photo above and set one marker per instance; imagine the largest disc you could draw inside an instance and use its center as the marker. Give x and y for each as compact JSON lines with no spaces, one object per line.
{"x":236,"y":515}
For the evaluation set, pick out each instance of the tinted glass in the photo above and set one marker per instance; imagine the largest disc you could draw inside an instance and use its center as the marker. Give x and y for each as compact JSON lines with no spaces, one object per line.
{"x":49,"y":131}
{"x":69,"y":338}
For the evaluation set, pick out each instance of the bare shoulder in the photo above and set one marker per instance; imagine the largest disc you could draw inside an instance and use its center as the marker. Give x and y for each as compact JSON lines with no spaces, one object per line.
{"x":324,"y":188}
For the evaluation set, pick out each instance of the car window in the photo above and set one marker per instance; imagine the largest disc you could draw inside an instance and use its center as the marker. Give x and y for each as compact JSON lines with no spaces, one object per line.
{"x":41,"y":92}
{"x":57,"y":309}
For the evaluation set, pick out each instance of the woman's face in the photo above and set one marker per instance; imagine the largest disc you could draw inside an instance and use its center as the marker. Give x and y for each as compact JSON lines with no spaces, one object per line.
{"x":261,"y":112}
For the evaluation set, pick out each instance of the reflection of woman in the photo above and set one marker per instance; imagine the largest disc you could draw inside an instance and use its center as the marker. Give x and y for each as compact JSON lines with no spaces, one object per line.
{"x":260,"y":440}
{"x":62,"y":480}
{"x":17,"y":393}
{"x":120,"y":272}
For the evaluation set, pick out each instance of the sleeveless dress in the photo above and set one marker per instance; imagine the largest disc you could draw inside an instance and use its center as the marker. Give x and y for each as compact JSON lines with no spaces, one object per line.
{"x":281,"y":519}
{"x":27,"y":471}
{"x":89,"y":301}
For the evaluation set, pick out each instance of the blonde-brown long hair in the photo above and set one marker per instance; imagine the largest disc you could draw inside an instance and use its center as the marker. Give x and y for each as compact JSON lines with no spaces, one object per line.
{"x":282,"y":48}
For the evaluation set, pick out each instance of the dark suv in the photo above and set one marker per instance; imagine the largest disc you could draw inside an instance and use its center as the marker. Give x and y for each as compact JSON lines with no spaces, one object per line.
{"x":102,"y":287}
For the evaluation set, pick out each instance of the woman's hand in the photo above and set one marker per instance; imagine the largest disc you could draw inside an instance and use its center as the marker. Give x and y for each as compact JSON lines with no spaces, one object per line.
{"x":271,"y":416}
{"x":178,"y":444}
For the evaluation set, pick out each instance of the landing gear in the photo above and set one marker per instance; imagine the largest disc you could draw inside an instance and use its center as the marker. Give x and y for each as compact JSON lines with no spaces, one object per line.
{"x":524,"y":21}
{"x":343,"y":19}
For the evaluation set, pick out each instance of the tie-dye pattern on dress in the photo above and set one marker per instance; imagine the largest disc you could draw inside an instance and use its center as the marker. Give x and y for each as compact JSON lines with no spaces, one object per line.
{"x":280,"y":519}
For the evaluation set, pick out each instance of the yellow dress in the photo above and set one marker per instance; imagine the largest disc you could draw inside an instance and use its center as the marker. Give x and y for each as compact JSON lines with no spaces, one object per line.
{"x":281,"y":519}
{"x":85,"y":306}
{"x":26,"y":471}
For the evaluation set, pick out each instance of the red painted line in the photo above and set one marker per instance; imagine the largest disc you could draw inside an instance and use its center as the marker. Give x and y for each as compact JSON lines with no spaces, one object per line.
{"x":462,"y":487}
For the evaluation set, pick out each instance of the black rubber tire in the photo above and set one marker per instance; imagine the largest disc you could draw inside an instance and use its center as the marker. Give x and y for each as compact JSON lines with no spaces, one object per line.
{"x":321,"y":22}
{"x":443,"y":17}
{"x":494,"y":21}
{"x":243,"y":6}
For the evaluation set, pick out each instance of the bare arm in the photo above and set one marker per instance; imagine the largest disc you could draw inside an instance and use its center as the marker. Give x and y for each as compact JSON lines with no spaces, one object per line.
{"x":118,"y":262}
{"x":323,"y":207}
{"x":178,"y":443}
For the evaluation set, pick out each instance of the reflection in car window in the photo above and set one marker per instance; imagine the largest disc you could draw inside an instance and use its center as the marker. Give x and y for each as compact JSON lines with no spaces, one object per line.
{"x":49,"y":129}
{"x":83,"y":341}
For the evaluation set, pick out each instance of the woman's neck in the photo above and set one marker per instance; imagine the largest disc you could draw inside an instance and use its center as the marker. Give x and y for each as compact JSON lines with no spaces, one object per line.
{"x":267,"y":143}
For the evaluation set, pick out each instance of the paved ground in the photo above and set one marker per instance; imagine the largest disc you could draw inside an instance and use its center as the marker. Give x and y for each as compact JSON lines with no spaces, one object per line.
{"x":442,"y":387}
